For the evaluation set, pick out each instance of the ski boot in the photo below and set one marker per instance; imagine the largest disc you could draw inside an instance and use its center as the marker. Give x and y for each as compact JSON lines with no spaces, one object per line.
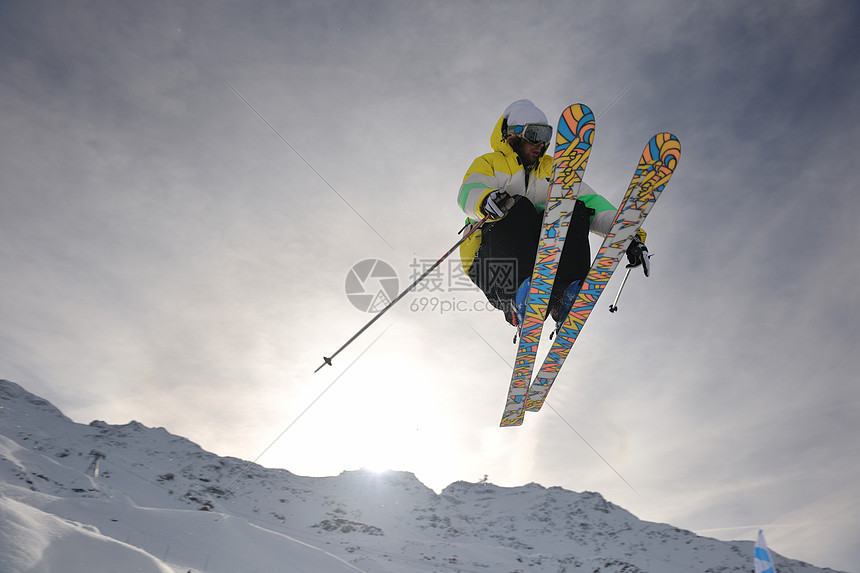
{"x":517,"y":312}
{"x":560,"y":309}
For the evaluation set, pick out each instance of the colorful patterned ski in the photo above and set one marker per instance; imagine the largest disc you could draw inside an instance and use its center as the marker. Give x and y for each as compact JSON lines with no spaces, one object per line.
{"x":573,"y":140}
{"x":655,"y":168}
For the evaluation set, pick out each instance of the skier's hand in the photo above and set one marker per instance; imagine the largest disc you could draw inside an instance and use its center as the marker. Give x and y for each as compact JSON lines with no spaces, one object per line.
{"x":497,"y":204}
{"x":637,"y":254}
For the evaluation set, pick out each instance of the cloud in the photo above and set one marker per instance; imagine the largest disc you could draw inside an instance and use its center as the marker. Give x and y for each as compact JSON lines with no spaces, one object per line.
{"x":169,"y":258}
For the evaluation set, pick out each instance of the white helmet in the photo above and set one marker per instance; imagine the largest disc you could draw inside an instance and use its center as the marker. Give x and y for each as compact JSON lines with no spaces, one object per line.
{"x":523,"y":118}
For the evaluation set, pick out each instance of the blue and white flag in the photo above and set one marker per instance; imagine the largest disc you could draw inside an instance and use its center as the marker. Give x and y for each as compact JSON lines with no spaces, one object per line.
{"x":763,"y":561}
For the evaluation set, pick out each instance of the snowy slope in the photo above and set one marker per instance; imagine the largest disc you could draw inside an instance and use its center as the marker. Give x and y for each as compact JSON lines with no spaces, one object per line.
{"x":33,"y":540}
{"x":161,"y":503}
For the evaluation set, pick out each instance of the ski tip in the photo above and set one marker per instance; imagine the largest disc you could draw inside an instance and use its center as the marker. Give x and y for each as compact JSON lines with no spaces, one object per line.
{"x":513,"y":419}
{"x":536,"y":399}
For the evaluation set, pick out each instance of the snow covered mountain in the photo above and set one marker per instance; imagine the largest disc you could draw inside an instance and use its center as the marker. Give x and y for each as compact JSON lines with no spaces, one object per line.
{"x":99,"y":497}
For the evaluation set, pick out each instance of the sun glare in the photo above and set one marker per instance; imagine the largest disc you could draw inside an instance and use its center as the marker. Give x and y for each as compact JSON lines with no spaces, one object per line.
{"x":377,"y":468}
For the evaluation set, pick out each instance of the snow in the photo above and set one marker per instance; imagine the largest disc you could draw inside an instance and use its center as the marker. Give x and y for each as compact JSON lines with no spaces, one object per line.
{"x":35,"y":541}
{"x":162,"y":504}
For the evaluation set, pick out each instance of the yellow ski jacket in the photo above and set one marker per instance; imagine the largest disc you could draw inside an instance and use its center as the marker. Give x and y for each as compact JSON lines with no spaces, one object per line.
{"x":502,"y":169}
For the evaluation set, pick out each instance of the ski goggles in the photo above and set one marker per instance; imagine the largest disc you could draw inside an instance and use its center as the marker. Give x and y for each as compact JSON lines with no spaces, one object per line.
{"x":536,"y":133}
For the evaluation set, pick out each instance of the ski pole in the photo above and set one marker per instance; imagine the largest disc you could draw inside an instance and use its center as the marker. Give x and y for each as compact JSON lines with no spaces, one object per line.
{"x":614,"y":306}
{"x":327,"y":359}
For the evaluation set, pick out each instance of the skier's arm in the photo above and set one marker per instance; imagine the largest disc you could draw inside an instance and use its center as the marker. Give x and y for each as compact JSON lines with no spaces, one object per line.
{"x":479,"y":182}
{"x":604,"y":212}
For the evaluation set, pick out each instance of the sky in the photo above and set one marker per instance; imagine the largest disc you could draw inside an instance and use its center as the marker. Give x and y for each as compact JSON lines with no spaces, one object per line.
{"x":185,"y":189}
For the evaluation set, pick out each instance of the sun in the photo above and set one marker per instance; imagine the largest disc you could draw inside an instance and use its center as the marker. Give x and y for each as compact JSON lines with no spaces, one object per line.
{"x":377,"y":468}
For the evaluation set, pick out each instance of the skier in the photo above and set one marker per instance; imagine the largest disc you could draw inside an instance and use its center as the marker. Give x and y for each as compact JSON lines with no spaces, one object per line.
{"x":511,"y":186}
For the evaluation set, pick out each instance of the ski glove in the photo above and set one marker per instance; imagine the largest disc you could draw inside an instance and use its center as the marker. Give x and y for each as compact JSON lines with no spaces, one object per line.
{"x":497,"y":204}
{"x":637,"y":254}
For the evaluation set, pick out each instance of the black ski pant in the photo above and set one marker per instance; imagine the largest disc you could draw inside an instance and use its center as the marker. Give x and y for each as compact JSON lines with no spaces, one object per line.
{"x":508,"y":250}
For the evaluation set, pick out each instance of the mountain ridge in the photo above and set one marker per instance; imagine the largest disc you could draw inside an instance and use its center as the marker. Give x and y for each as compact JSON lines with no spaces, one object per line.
{"x":359,"y":520}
